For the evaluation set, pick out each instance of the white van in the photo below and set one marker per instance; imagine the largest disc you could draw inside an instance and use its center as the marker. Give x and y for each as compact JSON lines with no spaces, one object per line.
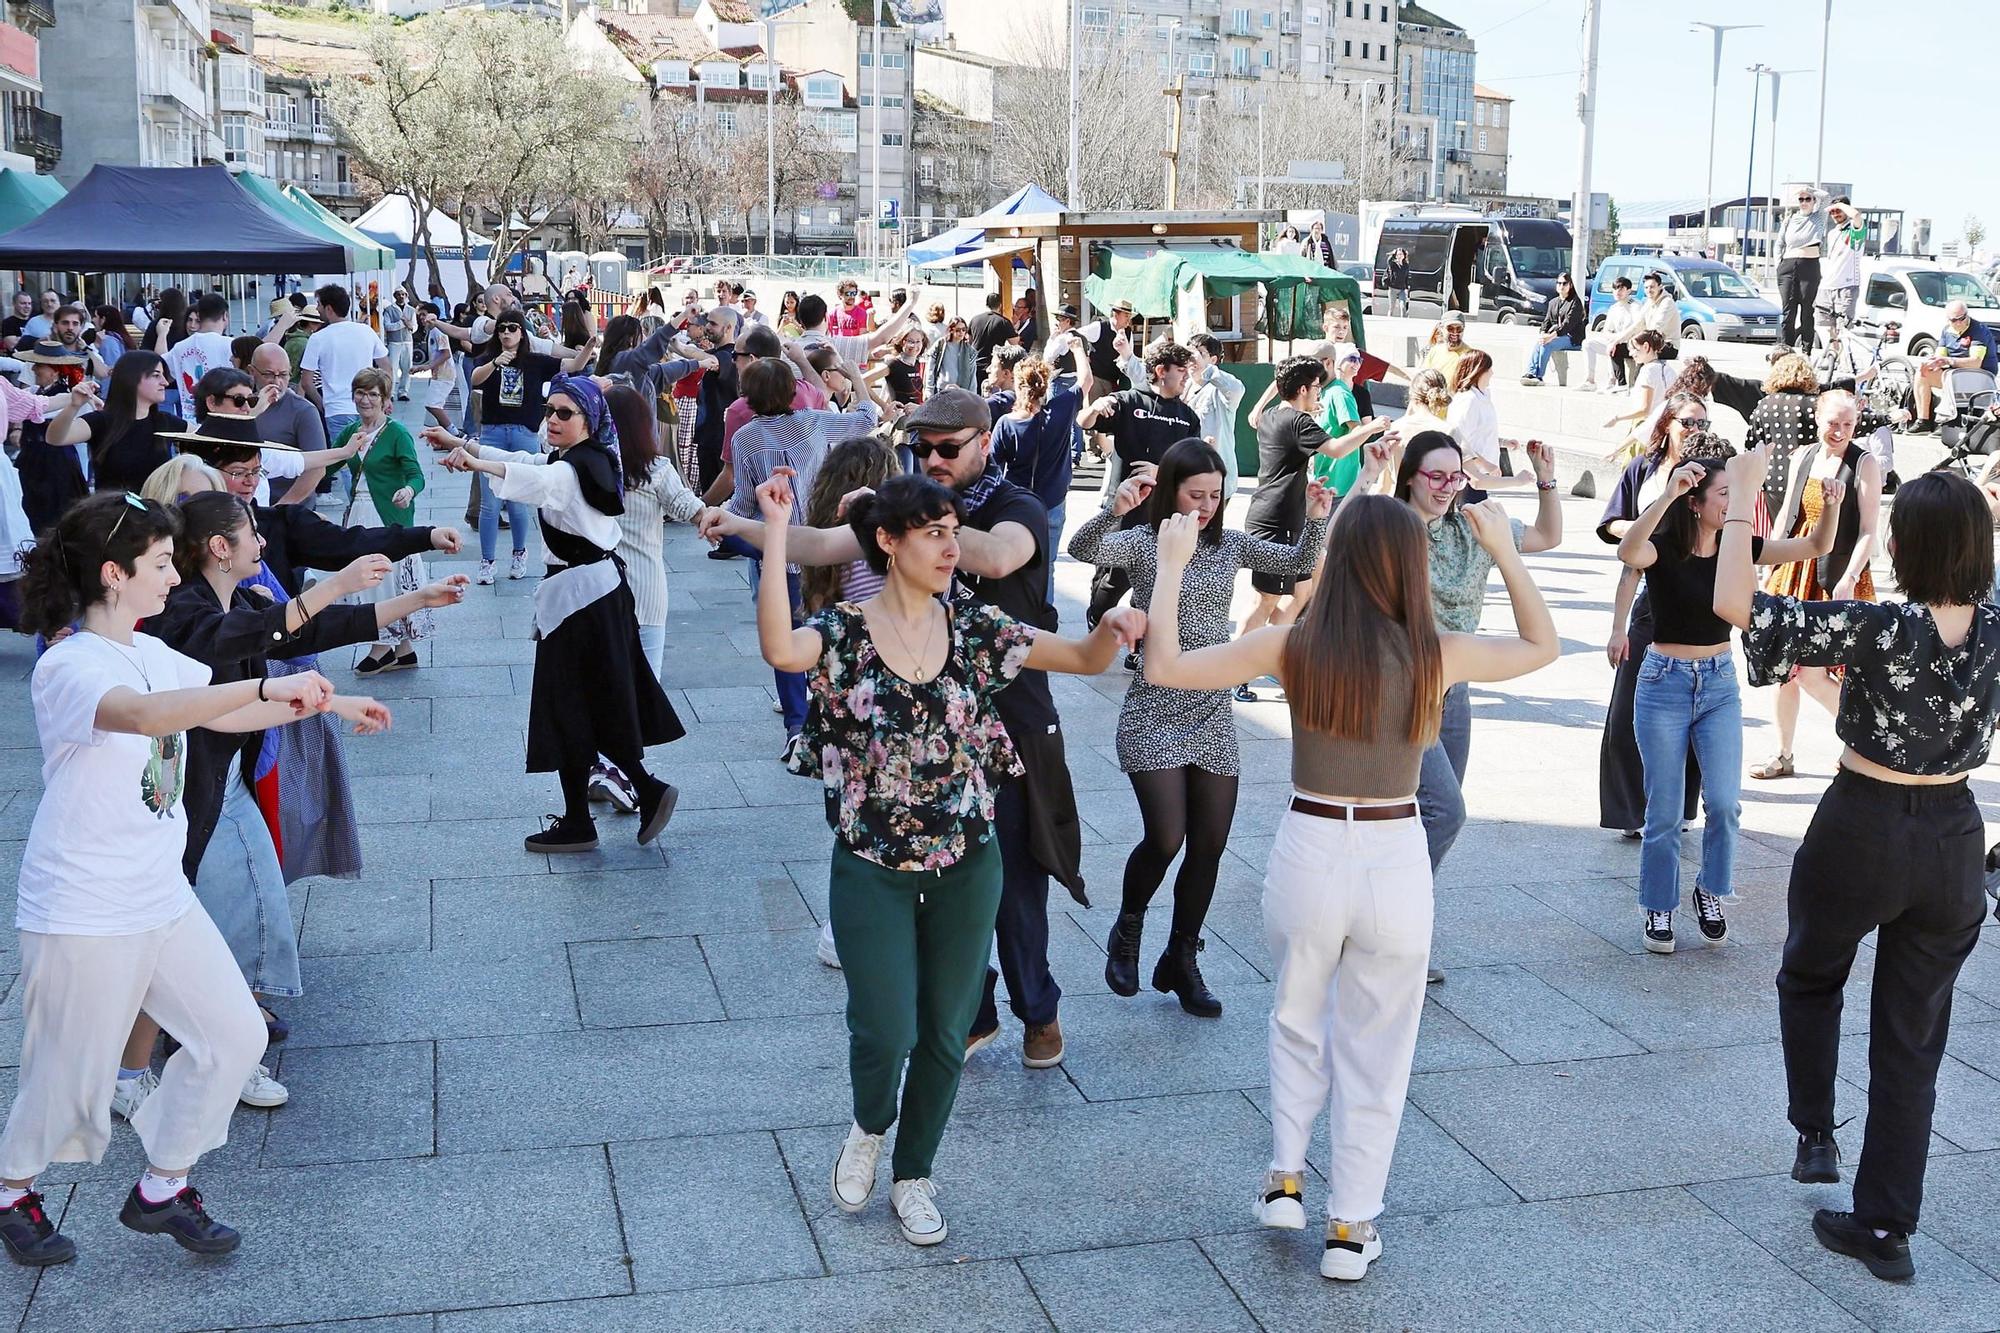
{"x":1914,"y":294}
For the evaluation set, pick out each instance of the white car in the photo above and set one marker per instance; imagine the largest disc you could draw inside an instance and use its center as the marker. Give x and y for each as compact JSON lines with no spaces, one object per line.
{"x":1914,"y":294}
{"x":1365,"y":275}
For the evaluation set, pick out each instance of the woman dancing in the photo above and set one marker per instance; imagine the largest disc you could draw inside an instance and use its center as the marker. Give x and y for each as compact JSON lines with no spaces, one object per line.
{"x":1347,"y":891}
{"x":902,"y":731}
{"x":1687,"y":696}
{"x":593,"y":693}
{"x":1178,"y":747}
{"x":1895,"y":845}
{"x":108,"y":922}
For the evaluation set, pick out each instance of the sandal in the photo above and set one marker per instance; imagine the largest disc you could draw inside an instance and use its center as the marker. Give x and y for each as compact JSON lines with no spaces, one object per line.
{"x":1778,"y":766}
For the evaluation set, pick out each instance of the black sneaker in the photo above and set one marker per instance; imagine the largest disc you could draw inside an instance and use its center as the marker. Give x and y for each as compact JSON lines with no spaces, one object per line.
{"x":717,"y":553}
{"x":1708,"y":913}
{"x":1921,"y":426}
{"x":182,"y":1217}
{"x":1245,"y":695}
{"x":1133,"y":662}
{"x":32,"y":1240}
{"x":563,"y":835}
{"x":1818,"y":1159}
{"x":1659,"y":932}
{"x":1887,"y":1257}
{"x":1890,"y":481}
{"x":656,"y":807}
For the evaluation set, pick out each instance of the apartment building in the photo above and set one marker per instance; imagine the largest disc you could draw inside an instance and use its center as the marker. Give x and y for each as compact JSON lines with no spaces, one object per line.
{"x":1492,"y":116}
{"x":130,"y":79}
{"x":30,"y":134}
{"x":292,"y":58}
{"x":1434,"y":106}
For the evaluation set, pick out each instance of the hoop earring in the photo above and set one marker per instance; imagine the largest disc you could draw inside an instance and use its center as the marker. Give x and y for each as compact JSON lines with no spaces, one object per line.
{"x":892,"y":559}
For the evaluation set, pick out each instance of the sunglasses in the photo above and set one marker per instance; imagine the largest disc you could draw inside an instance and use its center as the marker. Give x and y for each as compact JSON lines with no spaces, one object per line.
{"x":1444,"y":481}
{"x":132,"y":502}
{"x":239,"y":399}
{"x":945,"y":449}
{"x":1693,"y":423}
{"x":559,"y":413}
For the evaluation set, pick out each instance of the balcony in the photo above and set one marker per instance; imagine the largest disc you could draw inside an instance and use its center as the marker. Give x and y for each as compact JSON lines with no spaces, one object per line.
{"x":1288,"y":26}
{"x":333,"y":190}
{"x":322,"y":131}
{"x":35,"y":133}
{"x":33,"y":15}
{"x":1457,"y":155}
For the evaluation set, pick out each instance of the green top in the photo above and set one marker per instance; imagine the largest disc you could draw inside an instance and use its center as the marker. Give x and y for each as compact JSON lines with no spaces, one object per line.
{"x":1338,"y":412}
{"x":389,"y":465}
{"x":1459,"y":566}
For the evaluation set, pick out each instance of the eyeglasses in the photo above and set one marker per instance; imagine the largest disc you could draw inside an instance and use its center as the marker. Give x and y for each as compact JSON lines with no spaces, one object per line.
{"x":1444,"y":481}
{"x":1693,"y":423}
{"x":132,"y":502}
{"x":945,"y":449}
{"x":250,"y":473}
{"x":559,"y":413}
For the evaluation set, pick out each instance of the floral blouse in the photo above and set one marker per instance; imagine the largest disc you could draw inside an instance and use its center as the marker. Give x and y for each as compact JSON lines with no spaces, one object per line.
{"x":1907,"y":701}
{"x":910,"y":769}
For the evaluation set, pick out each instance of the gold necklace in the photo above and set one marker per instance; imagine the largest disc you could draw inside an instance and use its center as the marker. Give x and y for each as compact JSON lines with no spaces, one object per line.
{"x":918,"y":674}
{"x":137,"y":660}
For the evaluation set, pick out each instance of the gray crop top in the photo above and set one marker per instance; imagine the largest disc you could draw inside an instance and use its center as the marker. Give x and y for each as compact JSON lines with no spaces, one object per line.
{"x":1381,"y":769}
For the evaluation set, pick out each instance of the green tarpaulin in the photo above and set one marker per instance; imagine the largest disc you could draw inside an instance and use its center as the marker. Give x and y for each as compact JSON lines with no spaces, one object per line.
{"x":1154,"y":278}
{"x":24,"y":195}
{"x":363,"y":255}
{"x":378,"y":254}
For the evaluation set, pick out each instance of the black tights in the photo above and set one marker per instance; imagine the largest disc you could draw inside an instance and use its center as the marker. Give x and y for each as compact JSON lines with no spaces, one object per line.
{"x":1180,"y":805}
{"x":575,"y":779}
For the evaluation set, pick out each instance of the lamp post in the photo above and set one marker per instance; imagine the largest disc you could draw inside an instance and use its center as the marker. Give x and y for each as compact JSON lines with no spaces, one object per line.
{"x":1750,"y":172}
{"x":1076,"y":105}
{"x":1367,"y":143}
{"x":1776,"y":77}
{"x":1714,"y":85}
{"x":1586,"y":114}
{"x":1174,"y":89}
{"x":1825,"y":36}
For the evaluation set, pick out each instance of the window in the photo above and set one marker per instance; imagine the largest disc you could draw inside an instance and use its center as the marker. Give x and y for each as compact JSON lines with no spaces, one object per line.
{"x":1498,"y":107}
{"x":1482,"y":141}
{"x":1350,"y":8}
{"x":1201,"y":64}
{"x":926,"y":171}
{"x":823,"y":89}
{"x":1267,"y":57}
{"x":951,"y":171}
{"x":1347,"y":48}
{"x":1479,"y":113}
{"x":892,"y":101}
{"x":758,"y":77}
{"x":1269,"y":19}
{"x":671,"y":73}
{"x":1364,"y":50}
{"x":1312,"y":16}
{"x":1239,"y":20}
{"x":1097,"y":17}
{"x":892,"y":138}
{"x":1312,"y":55}
{"x":1239,"y":59}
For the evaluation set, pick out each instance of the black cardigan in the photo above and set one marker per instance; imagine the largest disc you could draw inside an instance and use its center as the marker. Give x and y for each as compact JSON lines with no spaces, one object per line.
{"x":297,"y":539}
{"x":233,"y":644}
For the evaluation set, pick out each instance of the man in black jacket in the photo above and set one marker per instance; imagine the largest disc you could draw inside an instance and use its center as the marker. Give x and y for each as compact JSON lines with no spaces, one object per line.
{"x":990,"y":331}
{"x":1562,"y":329}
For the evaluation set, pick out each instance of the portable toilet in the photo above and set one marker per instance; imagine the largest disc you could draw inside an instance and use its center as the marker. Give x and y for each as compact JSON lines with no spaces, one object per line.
{"x":607,"y":271}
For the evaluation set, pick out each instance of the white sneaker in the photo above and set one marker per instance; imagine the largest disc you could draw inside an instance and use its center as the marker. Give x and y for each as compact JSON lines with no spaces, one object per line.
{"x":1280,"y":1203}
{"x":828,"y":954}
{"x":131,"y":1094}
{"x":517,"y":567}
{"x":917,"y":1211}
{"x":854,"y":1169}
{"x":485,"y":572}
{"x":610,"y":786}
{"x":263,"y":1091}
{"x":1350,"y":1248}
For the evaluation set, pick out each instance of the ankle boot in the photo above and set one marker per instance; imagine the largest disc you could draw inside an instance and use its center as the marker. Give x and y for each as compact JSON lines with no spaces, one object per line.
{"x":1121,"y":969}
{"x":1177,"y":973}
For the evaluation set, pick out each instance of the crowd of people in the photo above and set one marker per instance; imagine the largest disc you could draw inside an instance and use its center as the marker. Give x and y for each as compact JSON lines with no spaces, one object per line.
{"x":899,"y":481}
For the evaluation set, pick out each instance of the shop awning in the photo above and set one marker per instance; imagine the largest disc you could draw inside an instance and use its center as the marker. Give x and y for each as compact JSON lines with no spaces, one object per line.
{"x":1152,"y":278}
{"x":1030,"y":199}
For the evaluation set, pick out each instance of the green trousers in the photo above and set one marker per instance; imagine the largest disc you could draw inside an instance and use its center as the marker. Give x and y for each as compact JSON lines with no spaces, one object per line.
{"x":913,"y":947}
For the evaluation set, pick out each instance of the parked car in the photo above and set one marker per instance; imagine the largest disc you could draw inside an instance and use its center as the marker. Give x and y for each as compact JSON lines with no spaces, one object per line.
{"x":1914,"y":294}
{"x":1715,"y":300}
{"x":1365,"y":275}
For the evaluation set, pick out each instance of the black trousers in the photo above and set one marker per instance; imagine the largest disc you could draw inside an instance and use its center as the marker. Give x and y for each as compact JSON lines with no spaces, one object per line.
{"x":1621,"y":775}
{"x":1907,"y":862}
{"x":1021,"y":930}
{"x":1798,"y":287}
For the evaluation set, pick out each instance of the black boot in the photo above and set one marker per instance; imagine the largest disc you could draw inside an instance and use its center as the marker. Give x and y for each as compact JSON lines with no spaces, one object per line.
{"x":1121,"y":969}
{"x":1178,"y":974}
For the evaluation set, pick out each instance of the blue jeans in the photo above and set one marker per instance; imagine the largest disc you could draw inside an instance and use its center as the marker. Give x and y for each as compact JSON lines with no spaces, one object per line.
{"x":466,"y":395}
{"x":519,"y":439}
{"x":242,"y":888}
{"x":653,"y":642}
{"x":1440,"y":800}
{"x":1539,"y":362}
{"x":1679,"y":703}
{"x":1056,"y":516}
{"x":791,"y":684}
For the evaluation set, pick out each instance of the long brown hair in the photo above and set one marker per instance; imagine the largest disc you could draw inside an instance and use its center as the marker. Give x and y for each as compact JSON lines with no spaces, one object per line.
{"x":1370,"y":615}
{"x":1470,"y":367}
{"x":848,"y":466}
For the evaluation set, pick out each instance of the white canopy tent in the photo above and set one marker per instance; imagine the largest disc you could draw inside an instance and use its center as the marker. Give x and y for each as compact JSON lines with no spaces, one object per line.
{"x":393,"y":222}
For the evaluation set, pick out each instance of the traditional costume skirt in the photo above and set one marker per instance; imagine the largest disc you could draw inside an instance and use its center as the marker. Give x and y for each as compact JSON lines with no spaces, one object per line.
{"x":592,"y":682}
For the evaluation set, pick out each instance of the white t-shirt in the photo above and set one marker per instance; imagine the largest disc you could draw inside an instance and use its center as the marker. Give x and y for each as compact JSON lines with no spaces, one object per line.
{"x":191,"y":358}
{"x":279,"y":465}
{"x":104,"y":853}
{"x":337,"y":353}
{"x":1661,"y":379}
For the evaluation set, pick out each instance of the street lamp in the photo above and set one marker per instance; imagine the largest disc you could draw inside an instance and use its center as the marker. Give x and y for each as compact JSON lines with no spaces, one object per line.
{"x":1714,"y":84}
{"x":1172,"y":90}
{"x":1361,"y":191}
{"x":1825,"y":36}
{"x":1757,"y":73}
{"x":1771,"y":187}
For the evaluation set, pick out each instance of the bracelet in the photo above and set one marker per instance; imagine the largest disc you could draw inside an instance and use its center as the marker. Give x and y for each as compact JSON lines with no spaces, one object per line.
{"x":1545,"y":485}
{"x":1727,"y":521}
{"x":260,"y":691}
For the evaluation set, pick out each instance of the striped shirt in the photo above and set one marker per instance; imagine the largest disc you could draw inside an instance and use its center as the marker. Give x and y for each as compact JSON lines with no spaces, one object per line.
{"x":798,"y":440}
{"x":662,"y":498}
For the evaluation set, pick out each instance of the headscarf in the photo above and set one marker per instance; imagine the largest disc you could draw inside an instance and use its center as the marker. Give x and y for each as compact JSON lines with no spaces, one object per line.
{"x":599,"y":470}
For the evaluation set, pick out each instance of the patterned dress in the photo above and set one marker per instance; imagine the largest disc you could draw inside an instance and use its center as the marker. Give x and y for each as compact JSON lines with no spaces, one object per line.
{"x":1159,"y":727}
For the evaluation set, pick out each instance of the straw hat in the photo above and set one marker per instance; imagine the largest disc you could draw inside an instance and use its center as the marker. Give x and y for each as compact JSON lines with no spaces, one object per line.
{"x":220,"y":431}
{"x":34,"y":355}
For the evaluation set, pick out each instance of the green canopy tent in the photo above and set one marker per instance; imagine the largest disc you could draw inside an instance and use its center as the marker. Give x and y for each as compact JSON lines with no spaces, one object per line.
{"x":378,"y":254}
{"x":363,"y":255}
{"x":24,"y":195}
{"x":1158,"y":279}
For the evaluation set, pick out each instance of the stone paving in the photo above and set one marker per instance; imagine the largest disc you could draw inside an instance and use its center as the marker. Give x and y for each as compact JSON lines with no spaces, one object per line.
{"x":605,"y":1091}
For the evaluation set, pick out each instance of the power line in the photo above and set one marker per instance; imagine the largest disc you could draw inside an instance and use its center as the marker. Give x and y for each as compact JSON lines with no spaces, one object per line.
{"x":1504,"y":22}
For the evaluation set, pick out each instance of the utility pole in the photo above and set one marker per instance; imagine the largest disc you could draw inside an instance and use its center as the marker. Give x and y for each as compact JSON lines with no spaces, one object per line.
{"x":1750,"y":173}
{"x":1771,"y":189}
{"x":1825,"y":36}
{"x":1586,"y":112}
{"x":1260,"y":157}
{"x":770,"y":143}
{"x":1175,"y":91}
{"x":1076,"y":106}
{"x":1714,"y":85}
{"x":876,"y":79}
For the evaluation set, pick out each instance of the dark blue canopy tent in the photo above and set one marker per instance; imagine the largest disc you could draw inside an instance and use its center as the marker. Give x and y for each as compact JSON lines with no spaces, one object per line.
{"x":164,"y":220}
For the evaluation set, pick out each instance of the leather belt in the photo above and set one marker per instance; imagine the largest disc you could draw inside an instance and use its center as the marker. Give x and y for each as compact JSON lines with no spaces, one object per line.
{"x":1362,"y":813}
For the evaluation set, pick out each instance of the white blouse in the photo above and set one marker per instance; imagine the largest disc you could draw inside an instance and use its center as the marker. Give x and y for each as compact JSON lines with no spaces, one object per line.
{"x":554,"y":491}
{"x":1475,"y":424}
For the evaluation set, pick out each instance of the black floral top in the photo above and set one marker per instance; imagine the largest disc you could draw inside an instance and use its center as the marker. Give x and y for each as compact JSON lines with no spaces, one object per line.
{"x":1907,"y":701}
{"x":910,"y":769}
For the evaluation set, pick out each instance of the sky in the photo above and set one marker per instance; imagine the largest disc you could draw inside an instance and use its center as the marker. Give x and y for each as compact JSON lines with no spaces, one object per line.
{"x":1883,"y":103}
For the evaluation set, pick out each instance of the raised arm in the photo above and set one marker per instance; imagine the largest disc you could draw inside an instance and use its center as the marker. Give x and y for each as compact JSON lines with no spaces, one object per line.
{"x":1215,"y":668}
{"x":1534,"y":645}
{"x":1735,"y":577}
{"x":785,"y":647}
{"x":1547,"y":533}
{"x":1120,"y":627}
{"x":1636,"y":547}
